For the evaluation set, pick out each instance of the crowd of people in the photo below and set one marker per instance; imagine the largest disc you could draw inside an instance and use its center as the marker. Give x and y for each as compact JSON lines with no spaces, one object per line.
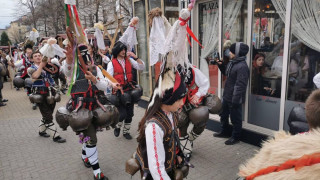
{"x":101,"y":83}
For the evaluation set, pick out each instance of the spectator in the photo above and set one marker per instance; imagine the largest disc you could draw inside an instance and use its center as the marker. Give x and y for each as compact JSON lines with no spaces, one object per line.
{"x":267,"y":46}
{"x":257,"y":83}
{"x":237,"y":73}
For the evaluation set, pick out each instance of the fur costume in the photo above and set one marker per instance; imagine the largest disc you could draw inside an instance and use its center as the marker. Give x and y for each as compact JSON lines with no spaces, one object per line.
{"x":281,"y":148}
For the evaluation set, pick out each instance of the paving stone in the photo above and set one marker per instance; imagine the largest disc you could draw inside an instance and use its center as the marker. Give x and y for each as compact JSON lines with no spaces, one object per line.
{"x":25,"y":155}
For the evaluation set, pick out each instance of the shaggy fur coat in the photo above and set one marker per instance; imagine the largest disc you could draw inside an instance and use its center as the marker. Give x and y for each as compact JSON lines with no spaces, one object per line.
{"x":281,"y":148}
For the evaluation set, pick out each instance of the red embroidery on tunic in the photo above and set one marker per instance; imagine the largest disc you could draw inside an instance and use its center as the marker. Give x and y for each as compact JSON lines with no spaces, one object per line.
{"x":155,"y":150}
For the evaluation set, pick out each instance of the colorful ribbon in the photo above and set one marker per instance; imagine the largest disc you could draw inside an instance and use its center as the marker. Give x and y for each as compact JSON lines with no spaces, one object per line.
{"x":297,"y":164}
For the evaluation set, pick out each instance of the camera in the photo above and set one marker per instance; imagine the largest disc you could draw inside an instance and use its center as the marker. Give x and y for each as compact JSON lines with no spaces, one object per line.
{"x":215,"y":56}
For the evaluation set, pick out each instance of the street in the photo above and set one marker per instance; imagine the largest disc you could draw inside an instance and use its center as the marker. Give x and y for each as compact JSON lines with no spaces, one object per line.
{"x":26,"y":155}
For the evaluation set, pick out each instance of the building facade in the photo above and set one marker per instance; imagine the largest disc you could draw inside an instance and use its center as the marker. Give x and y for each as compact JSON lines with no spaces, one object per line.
{"x":284,"y":33}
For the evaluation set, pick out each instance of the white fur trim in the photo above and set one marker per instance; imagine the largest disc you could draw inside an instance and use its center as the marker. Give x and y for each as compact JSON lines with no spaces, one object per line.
{"x":280,"y":149}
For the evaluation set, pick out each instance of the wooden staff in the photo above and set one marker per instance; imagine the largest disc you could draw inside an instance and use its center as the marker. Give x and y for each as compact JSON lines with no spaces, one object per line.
{"x":107,"y":75}
{"x":111,"y":78}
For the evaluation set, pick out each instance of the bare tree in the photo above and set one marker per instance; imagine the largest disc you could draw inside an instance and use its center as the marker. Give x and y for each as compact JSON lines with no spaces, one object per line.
{"x":31,"y":5}
{"x":48,"y":16}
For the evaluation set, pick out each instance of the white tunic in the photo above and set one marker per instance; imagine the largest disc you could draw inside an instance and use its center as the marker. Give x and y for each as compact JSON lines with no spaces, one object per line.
{"x":155,"y":150}
{"x":134,"y":64}
{"x":202,"y":82}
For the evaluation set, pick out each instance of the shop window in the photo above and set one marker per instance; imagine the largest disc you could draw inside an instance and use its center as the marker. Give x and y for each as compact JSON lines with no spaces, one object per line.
{"x":304,"y":57}
{"x":208,"y":37}
{"x":142,"y":49}
{"x":171,"y":10}
{"x":154,"y":4}
{"x":266,"y":65}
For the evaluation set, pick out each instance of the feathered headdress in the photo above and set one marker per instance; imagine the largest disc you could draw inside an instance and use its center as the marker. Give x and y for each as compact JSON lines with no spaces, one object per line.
{"x":170,"y":87}
{"x":129,"y":37}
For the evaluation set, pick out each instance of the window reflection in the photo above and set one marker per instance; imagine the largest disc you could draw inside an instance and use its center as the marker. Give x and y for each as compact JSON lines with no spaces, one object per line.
{"x":171,"y":10}
{"x":303,"y":66}
{"x":303,"y":62}
{"x":266,"y":65}
{"x":154,"y":4}
{"x":208,"y":37}
{"x":267,"y":41}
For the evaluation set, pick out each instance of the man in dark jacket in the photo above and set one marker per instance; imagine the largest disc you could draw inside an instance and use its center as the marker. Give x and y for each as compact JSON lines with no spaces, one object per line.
{"x":237,"y":73}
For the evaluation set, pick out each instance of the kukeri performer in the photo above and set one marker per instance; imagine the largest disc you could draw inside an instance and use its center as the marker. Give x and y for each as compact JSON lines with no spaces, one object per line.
{"x":22,"y":79}
{"x":44,"y":95}
{"x":22,"y":67}
{"x":196,"y":109}
{"x":158,"y":155}
{"x":169,"y":43}
{"x":120,"y":68}
{"x":87,"y":110}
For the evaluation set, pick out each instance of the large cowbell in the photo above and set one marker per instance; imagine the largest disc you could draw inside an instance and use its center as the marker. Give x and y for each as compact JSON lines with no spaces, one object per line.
{"x":80,"y":120}
{"x":18,"y":82}
{"x":107,"y":116}
{"x":213,"y":103}
{"x":62,"y":117}
{"x":136,"y":93}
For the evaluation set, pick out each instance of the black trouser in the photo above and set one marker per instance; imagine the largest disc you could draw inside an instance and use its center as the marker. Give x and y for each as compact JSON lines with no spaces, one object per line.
{"x":62,"y":78}
{"x":126,"y":112}
{"x":235,"y":116}
{"x":46,"y":110}
{"x":184,"y":124}
{"x":92,"y":133}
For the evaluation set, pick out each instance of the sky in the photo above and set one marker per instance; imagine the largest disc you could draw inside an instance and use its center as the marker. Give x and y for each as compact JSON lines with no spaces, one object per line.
{"x":7,"y":12}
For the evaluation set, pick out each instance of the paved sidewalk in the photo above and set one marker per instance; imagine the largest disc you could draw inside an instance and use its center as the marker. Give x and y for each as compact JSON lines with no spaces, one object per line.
{"x":25,"y":155}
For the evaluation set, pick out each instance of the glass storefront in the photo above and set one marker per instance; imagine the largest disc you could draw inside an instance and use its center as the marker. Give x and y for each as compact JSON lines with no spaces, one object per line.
{"x":266,"y":65}
{"x":304,"y":57}
{"x":271,"y":94}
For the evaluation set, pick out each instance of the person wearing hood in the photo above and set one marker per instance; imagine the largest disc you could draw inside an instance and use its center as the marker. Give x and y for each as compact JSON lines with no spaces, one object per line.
{"x":237,"y":72}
